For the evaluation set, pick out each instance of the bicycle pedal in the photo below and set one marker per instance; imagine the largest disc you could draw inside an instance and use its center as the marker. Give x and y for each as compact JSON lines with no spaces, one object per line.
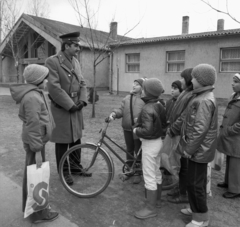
{"x":123,"y":177}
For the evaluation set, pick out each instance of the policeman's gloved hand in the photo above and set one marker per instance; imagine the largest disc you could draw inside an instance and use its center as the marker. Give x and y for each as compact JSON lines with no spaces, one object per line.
{"x":80,"y":104}
{"x":73,"y":109}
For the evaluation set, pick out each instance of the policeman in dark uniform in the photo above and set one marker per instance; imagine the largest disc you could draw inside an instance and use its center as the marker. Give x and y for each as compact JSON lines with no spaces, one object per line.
{"x":68,"y":94}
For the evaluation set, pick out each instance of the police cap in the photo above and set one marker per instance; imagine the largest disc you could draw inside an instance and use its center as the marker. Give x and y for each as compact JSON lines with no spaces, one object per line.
{"x":72,"y":37}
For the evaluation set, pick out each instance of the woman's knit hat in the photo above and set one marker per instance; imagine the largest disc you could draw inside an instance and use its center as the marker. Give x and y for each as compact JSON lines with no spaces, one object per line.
{"x":153,"y":87}
{"x":205,"y":74}
{"x":35,"y":74}
{"x":140,"y":81}
{"x":177,"y":84}
{"x":187,"y":75}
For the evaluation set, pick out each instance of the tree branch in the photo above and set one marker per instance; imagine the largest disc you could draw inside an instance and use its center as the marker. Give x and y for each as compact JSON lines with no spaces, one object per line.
{"x":220,"y":11}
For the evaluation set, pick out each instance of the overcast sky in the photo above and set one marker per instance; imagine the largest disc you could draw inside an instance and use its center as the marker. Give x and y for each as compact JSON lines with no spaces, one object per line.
{"x":156,"y":17}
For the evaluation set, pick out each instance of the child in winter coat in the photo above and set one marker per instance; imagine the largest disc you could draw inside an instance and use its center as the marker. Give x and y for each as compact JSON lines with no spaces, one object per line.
{"x":179,"y":193}
{"x":151,"y":126}
{"x":198,"y":141}
{"x":129,"y":110}
{"x":229,"y":142}
{"x":175,"y":91}
{"x":37,"y":127}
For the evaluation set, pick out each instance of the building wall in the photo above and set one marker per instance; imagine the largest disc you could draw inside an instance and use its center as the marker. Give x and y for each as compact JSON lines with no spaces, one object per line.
{"x":153,"y":62}
{"x":102,"y":70}
{"x":9,"y":70}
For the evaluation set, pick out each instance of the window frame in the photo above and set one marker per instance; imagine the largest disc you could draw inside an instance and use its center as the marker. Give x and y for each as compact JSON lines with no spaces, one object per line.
{"x":134,"y":63}
{"x":177,"y":61}
{"x":229,"y":60}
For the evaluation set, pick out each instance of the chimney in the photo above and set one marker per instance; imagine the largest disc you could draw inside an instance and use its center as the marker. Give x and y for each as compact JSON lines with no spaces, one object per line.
{"x":220,"y":25}
{"x":113,"y":30}
{"x":185,"y":25}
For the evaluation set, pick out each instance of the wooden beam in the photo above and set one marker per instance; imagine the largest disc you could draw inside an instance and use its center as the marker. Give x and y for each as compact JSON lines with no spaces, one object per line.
{"x":45,"y":35}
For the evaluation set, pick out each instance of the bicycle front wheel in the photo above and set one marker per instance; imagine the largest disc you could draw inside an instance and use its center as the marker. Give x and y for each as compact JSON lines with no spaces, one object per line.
{"x":86,"y":181}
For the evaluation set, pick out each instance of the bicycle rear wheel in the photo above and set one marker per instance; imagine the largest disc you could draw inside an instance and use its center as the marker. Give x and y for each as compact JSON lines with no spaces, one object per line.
{"x":101,"y":170}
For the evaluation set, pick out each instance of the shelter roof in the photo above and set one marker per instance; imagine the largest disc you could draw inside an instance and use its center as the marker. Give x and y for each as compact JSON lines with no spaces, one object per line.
{"x":51,"y":29}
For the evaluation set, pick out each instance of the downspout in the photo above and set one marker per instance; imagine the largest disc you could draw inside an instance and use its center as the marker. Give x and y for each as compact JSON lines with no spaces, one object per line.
{"x":111,"y":72}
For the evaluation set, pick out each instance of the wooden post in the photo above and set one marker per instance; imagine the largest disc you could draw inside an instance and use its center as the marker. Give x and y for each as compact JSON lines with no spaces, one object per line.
{"x":1,"y":74}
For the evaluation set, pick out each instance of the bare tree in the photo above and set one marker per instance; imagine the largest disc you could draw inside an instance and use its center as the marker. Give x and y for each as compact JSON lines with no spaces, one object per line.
{"x":226,"y":12}
{"x":39,"y":8}
{"x":85,"y":15}
{"x":11,"y":12}
{"x":9,"y":16}
{"x":99,"y":46}
{"x":1,"y":15}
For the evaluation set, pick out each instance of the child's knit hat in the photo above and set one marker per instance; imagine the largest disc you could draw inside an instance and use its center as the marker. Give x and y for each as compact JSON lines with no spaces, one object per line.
{"x":35,"y":74}
{"x":237,"y":77}
{"x":153,"y":87}
{"x":205,"y":74}
{"x":177,"y":84}
{"x":186,"y":74}
{"x":140,"y":81}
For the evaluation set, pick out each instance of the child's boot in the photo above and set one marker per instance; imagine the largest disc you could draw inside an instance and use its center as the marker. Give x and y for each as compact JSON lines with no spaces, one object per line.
{"x":149,"y":210}
{"x":159,"y":194}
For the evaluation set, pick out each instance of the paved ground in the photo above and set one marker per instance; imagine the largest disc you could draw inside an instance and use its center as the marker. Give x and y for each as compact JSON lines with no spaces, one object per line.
{"x":4,"y":91}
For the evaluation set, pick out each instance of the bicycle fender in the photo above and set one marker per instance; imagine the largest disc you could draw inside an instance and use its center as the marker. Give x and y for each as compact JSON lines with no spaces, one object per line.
{"x":107,"y":154}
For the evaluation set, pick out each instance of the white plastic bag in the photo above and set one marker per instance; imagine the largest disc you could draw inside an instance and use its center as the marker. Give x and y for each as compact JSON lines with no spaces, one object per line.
{"x":170,"y":160}
{"x":38,"y":188}
{"x":218,"y":161}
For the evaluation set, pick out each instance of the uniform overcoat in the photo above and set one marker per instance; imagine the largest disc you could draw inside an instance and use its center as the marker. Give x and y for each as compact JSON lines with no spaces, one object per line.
{"x":66,"y":86}
{"x":229,"y":135}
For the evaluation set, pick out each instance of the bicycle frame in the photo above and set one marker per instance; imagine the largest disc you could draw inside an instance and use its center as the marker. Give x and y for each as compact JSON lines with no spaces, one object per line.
{"x":102,"y":141}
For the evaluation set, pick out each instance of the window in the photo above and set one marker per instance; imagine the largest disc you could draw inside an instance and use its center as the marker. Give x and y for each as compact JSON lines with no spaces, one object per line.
{"x":175,"y":61}
{"x":132,"y":63}
{"x":230,"y":60}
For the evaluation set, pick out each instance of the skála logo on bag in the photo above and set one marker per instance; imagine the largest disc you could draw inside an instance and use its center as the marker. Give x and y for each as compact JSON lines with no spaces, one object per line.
{"x":40,"y":195}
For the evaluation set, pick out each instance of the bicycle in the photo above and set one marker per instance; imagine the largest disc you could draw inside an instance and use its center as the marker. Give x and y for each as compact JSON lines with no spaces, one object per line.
{"x":96,"y":160}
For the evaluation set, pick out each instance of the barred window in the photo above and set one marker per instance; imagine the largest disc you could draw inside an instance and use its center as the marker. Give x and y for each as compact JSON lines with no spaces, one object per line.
{"x":230,"y":60}
{"x":133,"y":63}
{"x":175,"y":61}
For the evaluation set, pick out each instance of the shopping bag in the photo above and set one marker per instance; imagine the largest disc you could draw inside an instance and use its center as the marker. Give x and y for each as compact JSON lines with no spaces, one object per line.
{"x":38,"y":188}
{"x":170,"y":160}
{"x":217,"y":163}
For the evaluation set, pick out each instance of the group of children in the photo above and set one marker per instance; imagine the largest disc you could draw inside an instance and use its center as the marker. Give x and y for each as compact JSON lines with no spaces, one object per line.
{"x":191,"y":115}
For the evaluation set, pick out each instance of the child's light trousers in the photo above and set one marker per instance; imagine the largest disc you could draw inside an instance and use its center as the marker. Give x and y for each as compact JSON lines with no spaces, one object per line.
{"x":151,"y":163}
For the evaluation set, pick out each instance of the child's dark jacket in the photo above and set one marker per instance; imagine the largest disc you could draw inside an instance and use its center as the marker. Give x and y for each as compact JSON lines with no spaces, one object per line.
{"x":151,"y":122}
{"x":178,"y":112}
{"x":199,"y":130}
{"x":169,"y":107}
